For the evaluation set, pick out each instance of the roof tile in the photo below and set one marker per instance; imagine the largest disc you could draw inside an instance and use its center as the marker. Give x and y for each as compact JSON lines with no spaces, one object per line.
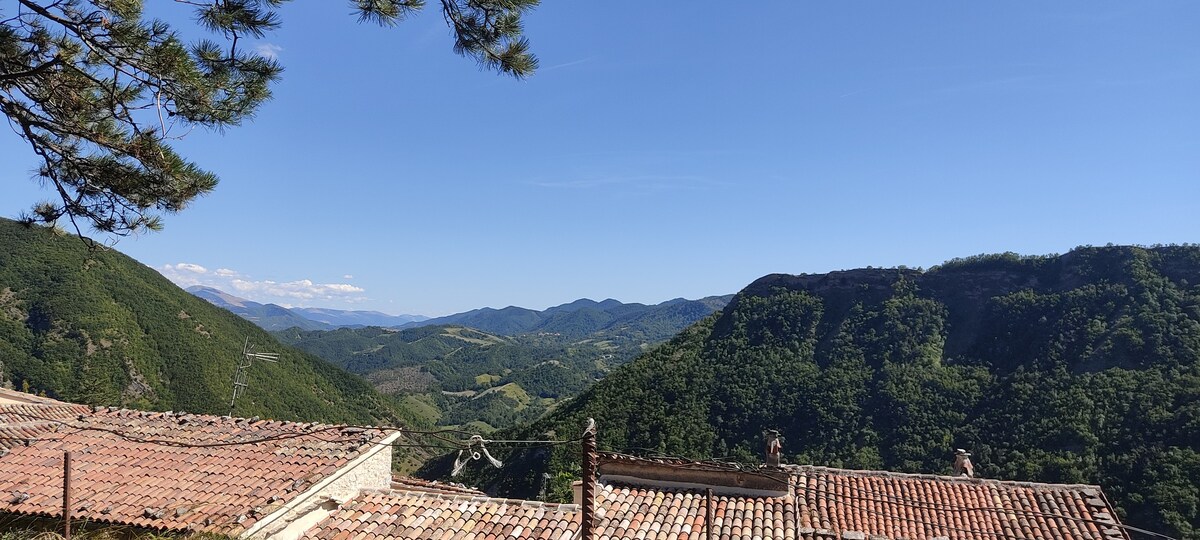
{"x":425,"y":514}
{"x":124,"y":462}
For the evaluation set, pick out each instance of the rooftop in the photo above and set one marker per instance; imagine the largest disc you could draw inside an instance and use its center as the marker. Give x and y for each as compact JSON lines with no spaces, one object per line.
{"x":822,"y":502}
{"x":446,"y":516}
{"x":24,"y":417}
{"x":171,"y":471}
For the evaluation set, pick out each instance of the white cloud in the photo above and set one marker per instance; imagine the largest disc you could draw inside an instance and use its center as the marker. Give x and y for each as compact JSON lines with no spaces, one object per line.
{"x":188,"y":267}
{"x":184,"y":274}
{"x":301,"y":289}
{"x":268,"y":50}
{"x":347,"y":276}
{"x":295,"y":292}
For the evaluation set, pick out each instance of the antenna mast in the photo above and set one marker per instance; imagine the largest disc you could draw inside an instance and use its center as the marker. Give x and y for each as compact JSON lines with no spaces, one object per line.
{"x":244,"y":363}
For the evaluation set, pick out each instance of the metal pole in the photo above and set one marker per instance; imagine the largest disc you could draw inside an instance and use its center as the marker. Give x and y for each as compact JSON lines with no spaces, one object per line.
{"x":67,"y":495}
{"x":587,"y":514}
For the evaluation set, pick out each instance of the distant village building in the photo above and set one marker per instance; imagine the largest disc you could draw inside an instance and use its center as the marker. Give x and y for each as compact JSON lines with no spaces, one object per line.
{"x":179,"y":473}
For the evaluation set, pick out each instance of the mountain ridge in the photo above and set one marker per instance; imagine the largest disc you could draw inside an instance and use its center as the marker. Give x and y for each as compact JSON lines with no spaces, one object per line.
{"x":573,"y":319}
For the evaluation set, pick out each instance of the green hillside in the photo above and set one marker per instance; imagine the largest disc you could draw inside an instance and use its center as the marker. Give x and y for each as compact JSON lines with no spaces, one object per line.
{"x":458,"y":376}
{"x":95,"y":326}
{"x":1076,"y":368}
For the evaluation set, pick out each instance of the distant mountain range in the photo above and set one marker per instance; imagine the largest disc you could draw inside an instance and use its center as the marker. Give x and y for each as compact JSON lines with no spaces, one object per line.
{"x":525,"y":362}
{"x":583,"y":317}
{"x":275,"y":317}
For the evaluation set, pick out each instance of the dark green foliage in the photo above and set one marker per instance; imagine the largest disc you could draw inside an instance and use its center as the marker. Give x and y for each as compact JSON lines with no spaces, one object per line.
{"x":98,"y":92}
{"x":94,"y":326}
{"x":1083,"y":368}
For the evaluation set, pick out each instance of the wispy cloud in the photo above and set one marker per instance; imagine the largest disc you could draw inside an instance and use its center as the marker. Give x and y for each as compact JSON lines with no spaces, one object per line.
{"x":645,"y":181}
{"x":280,"y":292}
{"x":347,"y":276}
{"x":567,"y":64}
{"x":268,"y":50}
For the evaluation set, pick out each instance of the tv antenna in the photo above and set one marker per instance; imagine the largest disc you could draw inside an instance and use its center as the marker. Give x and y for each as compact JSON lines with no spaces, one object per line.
{"x":247,"y":359}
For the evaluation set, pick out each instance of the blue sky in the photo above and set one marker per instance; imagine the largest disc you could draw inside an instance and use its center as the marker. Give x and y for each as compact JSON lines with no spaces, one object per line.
{"x":665,"y":152}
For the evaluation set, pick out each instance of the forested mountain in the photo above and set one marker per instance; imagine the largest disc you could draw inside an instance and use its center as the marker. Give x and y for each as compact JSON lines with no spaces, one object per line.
{"x":1080,"y":368}
{"x":95,"y":326}
{"x":585,"y":317}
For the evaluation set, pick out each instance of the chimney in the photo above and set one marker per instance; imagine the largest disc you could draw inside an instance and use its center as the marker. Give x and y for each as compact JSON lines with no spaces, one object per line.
{"x":577,"y":492}
{"x":962,"y":464}
{"x":773,"y":448}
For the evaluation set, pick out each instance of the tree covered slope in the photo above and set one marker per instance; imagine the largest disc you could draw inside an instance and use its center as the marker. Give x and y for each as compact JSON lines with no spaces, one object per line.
{"x":95,"y":326}
{"x":1083,"y":367}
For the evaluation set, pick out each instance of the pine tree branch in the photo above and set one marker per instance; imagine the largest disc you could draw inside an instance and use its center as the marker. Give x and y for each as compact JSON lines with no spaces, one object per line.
{"x":31,"y":72}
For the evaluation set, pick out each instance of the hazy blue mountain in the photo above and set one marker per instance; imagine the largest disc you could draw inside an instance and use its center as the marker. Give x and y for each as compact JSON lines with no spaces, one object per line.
{"x":344,"y":318}
{"x":275,"y":317}
{"x":266,"y":316}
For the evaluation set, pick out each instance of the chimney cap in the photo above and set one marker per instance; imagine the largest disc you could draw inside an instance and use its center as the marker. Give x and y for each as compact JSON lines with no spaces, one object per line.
{"x":961,"y":452}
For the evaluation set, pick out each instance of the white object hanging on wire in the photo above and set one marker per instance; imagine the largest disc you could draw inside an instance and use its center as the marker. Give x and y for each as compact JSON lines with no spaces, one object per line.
{"x":474,"y":451}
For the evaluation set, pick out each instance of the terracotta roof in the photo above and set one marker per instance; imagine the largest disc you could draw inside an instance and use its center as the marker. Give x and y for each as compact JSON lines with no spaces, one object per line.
{"x":143,"y":469}
{"x":443,"y":516}
{"x":654,"y":513}
{"x":824,"y":503}
{"x":915,"y":506}
{"x":417,"y":484}
{"x":24,"y":417}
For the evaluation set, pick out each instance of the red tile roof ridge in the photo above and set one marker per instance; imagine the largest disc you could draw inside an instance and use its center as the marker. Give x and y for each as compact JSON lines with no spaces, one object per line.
{"x":937,"y":477}
{"x":212,"y":419}
{"x":560,"y":507}
{"x":31,"y":399}
{"x":670,"y":460}
{"x":413,"y":483}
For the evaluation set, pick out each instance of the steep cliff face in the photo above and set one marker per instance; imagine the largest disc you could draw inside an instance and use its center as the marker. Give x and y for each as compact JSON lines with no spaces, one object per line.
{"x":1083,"y":367}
